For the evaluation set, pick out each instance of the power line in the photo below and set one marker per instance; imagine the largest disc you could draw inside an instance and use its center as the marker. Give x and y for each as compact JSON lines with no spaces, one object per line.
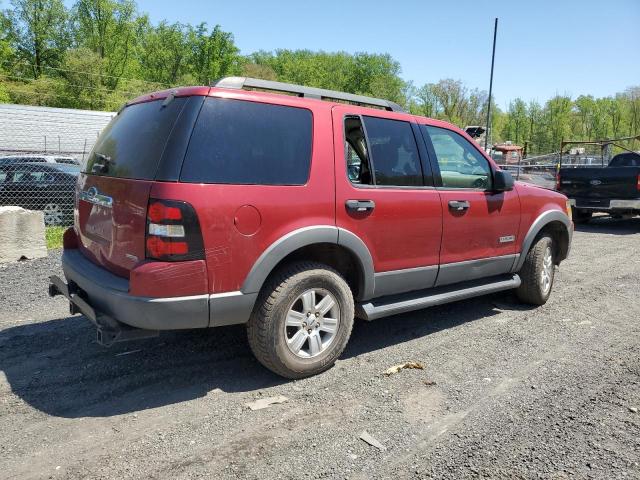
{"x":108,"y":90}
{"x":86,"y":73}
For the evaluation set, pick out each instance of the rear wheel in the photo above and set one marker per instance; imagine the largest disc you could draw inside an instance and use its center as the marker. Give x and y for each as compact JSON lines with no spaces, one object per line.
{"x":537,"y":273}
{"x":302,"y":321}
{"x":580,"y":216}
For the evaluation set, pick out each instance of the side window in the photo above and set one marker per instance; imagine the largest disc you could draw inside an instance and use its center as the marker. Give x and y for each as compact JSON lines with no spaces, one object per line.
{"x":389,"y":159}
{"x":394,"y":153}
{"x":460,"y":163}
{"x":20,"y":176}
{"x":356,"y":154}
{"x":249,"y":143}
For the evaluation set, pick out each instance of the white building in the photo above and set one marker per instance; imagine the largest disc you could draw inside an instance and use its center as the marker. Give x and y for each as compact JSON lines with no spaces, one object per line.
{"x":31,"y":129}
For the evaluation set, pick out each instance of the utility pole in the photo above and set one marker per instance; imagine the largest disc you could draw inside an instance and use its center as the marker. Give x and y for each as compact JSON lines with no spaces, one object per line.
{"x":493,"y":57}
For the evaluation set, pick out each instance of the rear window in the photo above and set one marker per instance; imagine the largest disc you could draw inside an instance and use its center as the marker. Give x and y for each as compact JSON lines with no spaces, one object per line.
{"x":625,"y":160}
{"x":132,"y":144}
{"x":249,"y":143}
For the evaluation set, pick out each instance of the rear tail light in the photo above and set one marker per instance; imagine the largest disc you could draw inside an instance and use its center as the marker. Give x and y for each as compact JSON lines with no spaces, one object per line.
{"x":558,"y":181}
{"x":638,"y":183}
{"x":173,"y":231}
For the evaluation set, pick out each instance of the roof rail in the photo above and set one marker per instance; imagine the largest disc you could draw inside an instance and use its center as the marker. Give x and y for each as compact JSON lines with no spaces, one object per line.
{"x":302,"y":91}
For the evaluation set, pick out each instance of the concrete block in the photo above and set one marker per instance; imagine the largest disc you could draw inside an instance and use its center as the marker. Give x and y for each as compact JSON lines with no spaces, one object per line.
{"x":21,"y":234}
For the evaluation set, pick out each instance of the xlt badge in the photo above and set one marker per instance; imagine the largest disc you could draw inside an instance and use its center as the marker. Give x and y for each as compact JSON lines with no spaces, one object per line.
{"x":507,"y":238}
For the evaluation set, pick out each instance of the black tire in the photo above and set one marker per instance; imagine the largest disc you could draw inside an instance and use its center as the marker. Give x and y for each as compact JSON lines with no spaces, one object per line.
{"x":268,"y":333}
{"x":580,"y":216}
{"x":533,"y":289}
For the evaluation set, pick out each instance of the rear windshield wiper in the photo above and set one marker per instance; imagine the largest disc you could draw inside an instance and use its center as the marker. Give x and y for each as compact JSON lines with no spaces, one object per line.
{"x":102,"y":167}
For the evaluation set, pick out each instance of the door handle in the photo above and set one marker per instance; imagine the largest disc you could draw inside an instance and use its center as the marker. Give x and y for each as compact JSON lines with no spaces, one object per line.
{"x":360,"y":205}
{"x":459,"y":205}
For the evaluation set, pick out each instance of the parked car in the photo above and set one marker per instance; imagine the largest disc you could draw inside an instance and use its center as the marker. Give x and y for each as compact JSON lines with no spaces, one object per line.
{"x":43,"y":186}
{"x":614,"y":189}
{"x":201,"y":207}
{"x":11,"y":159}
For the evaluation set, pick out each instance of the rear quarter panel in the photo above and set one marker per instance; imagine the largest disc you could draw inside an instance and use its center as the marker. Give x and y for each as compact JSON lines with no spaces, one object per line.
{"x":230,"y":254}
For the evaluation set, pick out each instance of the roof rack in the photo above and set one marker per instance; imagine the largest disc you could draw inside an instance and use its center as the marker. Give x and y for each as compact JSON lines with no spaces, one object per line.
{"x":306,"y":92}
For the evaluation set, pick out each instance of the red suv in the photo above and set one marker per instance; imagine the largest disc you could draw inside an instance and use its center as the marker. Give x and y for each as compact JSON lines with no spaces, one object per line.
{"x":293,"y":213}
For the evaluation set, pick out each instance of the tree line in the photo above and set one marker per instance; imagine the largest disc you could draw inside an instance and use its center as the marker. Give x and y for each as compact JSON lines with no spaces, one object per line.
{"x":97,"y":54}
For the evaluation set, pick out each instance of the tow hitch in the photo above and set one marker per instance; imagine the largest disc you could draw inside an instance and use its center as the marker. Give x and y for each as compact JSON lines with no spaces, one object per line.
{"x":109,"y":330}
{"x":108,"y":335}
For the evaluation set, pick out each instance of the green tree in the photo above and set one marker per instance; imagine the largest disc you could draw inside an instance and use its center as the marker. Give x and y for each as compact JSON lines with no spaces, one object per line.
{"x":632,"y":110}
{"x":108,"y":28}
{"x":534,"y":117}
{"x":427,"y":101}
{"x":164,"y":52}
{"x":517,"y":125}
{"x":38,"y":32}
{"x":362,"y":73}
{"x":83,"y":87}
{"x":6,"y":52}
{"x":558,"y":119}
{"x":213,"y":55}
{"x":376,"y":75}
{"x":586,"y":111}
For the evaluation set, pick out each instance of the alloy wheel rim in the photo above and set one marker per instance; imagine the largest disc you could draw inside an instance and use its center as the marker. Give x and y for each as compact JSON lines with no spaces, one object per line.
{"x":52,"y":214}
{"x":546,"y":275}
{"x":312,"y":323}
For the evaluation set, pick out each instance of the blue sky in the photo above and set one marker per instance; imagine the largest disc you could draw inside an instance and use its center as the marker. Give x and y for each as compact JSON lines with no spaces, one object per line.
{"x":544,"y":47}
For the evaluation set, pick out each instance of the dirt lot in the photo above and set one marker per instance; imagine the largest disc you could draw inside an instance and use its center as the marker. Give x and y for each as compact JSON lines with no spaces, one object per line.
{"x":507,"y":392}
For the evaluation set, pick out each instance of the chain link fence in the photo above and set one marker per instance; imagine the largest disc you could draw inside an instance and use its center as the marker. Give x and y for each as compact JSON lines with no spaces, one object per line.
{"x":538,"y":170}
{"x":41,"y":153}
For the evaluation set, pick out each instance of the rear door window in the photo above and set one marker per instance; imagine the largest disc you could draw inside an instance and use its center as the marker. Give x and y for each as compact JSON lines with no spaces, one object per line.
{"x":394,"y":152}
{"x":132,"y":144}
{"x":387,"y":155}
{"x":249,"y":143}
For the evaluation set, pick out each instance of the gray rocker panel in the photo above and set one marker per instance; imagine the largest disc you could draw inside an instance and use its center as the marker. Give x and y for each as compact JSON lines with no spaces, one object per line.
{"x":474,"y":269}
{"x":400,"y":281}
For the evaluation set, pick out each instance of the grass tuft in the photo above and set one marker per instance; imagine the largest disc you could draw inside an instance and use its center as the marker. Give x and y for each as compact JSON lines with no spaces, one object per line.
{"x":53,"y":236}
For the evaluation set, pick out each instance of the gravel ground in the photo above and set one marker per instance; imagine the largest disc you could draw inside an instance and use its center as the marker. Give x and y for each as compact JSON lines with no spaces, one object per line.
{"x":507,"y":391}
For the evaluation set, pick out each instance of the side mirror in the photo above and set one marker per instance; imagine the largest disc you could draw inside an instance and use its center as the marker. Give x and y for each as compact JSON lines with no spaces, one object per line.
{"x":502,"y":181}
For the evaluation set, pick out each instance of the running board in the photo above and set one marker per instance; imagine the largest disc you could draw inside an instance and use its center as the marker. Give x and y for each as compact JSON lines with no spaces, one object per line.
{"x":392,"y":305}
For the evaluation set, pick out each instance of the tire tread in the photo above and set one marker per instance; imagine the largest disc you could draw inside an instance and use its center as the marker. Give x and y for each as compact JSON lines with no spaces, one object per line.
{"x":259,"y":325}
{"x":530,"y":289}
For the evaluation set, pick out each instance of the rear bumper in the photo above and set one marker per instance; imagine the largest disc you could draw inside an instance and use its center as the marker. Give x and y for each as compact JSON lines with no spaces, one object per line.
{"x":614,"y":204}
{"x":104,"y":298}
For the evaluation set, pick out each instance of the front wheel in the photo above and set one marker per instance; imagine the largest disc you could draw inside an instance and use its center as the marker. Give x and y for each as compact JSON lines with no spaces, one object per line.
{"x":302,"y":321}
{"x":537,"y":273}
